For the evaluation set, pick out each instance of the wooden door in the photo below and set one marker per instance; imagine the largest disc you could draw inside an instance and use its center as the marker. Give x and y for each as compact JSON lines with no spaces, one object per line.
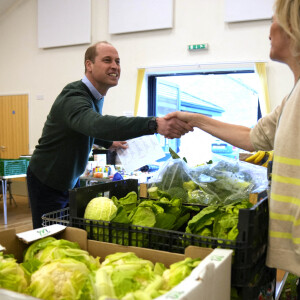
{"x":14,"y":132}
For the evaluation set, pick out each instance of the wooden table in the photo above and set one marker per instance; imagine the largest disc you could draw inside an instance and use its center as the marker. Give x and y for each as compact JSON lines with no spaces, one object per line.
{"x":4,"y":192}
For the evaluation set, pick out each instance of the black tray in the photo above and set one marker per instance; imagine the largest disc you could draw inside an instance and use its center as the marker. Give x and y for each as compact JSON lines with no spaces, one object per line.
{"x":261,"y":286}
{"x":249,"y":247}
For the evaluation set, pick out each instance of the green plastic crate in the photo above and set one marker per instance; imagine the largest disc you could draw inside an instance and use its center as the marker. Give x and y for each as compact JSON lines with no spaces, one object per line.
{"x":10,"y":167}
{"x":27,"y":162}
{"x":27,"y":158}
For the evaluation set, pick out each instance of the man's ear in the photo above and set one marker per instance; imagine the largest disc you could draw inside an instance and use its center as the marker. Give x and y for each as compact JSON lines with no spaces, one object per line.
{"x":88,"y":65}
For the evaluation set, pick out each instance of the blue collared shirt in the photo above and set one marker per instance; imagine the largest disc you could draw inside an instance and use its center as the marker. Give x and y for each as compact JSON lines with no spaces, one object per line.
{"x":94,"y":92}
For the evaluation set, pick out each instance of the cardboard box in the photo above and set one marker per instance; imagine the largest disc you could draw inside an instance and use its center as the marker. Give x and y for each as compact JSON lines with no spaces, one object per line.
{"x":209,"y":280}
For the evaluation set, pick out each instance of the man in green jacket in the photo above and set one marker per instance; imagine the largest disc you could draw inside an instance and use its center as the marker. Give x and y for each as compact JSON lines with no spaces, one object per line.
{"x":75,"y":123}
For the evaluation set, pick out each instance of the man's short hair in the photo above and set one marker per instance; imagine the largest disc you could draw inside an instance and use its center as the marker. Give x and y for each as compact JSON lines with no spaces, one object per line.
{"x":91,"y":52}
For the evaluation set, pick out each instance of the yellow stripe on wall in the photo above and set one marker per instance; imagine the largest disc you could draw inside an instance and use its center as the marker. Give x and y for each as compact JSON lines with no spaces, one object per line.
{"x":284,"y":235}
{"x":139,"y":83}
{"x":260,"y":68}
{"x":287,"y":161}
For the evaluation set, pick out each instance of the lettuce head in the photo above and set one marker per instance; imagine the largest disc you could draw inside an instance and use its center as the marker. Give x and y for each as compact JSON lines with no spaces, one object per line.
{"x":12,"y":276}
{"x":65,"y":279}
{"x":100,"y":208}
{"x":48,"y":249}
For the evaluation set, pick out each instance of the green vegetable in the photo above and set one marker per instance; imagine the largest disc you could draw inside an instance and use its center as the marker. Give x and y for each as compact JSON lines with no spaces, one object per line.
{"x":203,"y":219}
{"x":152,"y":192}
{"x":12,"y":276}
{"x":129,"y":202}
{"x":121,"y":216}
{"x":159,"y":268}
{"x":219,"y":183}
{"x":200,"y":196}
{"x":53,"y":249}
{"x":165,"y":221}
{"x":130,"y":273}
{"x":139,"y":279}
{"x":137,"y":295}
{"x":218,"y":221}
{"x":37,"y":246}
{"x":104,"y":285}
{"x":172,"y":175}
{"x":178,"y":271}
{"x":65,"y":278}
{"x":143,"y":216}
{"x":63,"y":271}
{"x":100,"y":208}
{"x":178,"y":192}
{"x":189,"y":185}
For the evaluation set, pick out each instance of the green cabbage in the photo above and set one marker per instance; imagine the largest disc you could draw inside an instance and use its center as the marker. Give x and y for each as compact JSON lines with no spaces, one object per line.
{"x":37,"y":246}
{"x":65,"y":279}
{"x":60,"y":270}
{"x":127,"y":273}
{"x":104,"y":285}
{"x":12,"y":276}
{"x":128,"y":277}
{"x":100,"y":208}
{"x":48,"y":249}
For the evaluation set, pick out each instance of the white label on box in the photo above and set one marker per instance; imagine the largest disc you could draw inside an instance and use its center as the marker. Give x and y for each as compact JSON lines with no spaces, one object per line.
{"x":174,"y":295}
{"x":2,"y":248}
{"x":39,"y":233}
{"x":217,"y":257}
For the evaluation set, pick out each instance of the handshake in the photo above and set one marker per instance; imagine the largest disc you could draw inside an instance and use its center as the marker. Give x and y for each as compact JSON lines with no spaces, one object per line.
{"x":175,"y":124}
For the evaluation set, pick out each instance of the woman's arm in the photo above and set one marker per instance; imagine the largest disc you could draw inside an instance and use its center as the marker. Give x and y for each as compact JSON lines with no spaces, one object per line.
{"x":236,"y":135}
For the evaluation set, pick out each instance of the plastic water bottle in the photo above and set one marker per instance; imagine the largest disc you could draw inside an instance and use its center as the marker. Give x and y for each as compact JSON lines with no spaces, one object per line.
{"x":149,"y":168}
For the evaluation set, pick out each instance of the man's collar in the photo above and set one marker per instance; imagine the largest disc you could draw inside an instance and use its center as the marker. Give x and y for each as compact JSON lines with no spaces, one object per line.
{"x":93,"y":90}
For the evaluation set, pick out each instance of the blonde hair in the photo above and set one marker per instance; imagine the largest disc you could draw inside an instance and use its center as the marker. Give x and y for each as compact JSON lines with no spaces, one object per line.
{"x":287,"y":14}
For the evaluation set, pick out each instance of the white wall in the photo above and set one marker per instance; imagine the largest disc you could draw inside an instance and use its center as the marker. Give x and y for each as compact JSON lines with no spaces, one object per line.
{"x":25,"y":68}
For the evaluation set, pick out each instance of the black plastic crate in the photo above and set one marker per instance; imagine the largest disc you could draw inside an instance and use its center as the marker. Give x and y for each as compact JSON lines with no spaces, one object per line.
{"x":249,"y":248}
{"x":80,"y":197}
{"x":252,"y":226}
{"x":156,"y":238}
{"x":61,"y":217}
{"x":261,"y":287}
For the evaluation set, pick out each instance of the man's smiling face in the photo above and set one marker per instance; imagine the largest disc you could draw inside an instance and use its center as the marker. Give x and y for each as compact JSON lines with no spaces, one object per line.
{"x":105,"y":71}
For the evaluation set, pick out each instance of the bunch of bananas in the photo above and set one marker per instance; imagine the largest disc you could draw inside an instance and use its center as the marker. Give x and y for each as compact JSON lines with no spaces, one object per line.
{"x":261,"y":158}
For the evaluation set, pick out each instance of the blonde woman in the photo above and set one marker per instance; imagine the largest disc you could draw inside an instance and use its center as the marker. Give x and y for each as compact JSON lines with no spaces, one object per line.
{"x":278,"y":131}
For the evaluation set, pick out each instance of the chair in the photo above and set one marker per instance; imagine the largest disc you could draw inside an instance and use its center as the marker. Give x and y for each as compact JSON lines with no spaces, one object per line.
{"x":10,"y":196}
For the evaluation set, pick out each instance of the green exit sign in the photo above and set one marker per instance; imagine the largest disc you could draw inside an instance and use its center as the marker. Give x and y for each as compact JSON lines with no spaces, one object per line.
{"x":198,"y":46}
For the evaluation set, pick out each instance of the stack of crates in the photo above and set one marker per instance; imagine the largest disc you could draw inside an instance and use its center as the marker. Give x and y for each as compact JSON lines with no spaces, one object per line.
{"x":250,"y":278}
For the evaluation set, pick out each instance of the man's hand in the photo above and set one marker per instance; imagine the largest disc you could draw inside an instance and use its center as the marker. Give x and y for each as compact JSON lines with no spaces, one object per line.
{"x":183,"y":116}
{"x":118,"y":145}
{"x":236,"y":135}
{"x":172,"y":127}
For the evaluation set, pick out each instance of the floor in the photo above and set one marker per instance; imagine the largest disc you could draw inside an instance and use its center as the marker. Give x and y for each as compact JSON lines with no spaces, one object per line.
{"x":18,"y":214}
